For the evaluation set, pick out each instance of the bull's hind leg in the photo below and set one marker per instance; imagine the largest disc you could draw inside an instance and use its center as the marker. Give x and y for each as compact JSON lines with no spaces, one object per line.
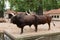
{"x":49,"y":26}
{"x":35,"y":28}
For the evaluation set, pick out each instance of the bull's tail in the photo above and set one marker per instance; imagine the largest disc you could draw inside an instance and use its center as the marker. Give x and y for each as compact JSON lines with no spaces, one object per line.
{"x":53,"y":23}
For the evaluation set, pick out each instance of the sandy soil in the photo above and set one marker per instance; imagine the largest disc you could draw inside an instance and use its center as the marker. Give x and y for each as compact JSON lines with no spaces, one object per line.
{"x":9,"y":26}
{"x":14,"y":31}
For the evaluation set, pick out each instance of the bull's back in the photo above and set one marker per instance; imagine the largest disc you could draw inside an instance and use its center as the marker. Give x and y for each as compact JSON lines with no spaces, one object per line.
{"x":29,"y":18}
{"x":42,"y":20}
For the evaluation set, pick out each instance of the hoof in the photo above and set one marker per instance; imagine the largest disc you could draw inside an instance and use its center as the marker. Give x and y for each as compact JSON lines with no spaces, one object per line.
{"x":21,"y":33}
{"x":48,"y":29}
{"x":35,"y":30}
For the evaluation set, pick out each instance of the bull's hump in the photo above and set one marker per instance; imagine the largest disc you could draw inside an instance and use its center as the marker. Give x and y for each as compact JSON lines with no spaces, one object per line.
{"x":29,"y":18}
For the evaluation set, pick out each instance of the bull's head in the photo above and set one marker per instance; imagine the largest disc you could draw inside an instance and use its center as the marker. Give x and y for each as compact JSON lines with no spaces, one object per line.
{"x":13,"y":19}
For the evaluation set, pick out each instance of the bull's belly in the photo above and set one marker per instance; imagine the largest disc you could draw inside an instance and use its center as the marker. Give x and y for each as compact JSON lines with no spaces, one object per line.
{"x":41,"y":22}
{"x":26,"y":23}
{"x":29,"y":23}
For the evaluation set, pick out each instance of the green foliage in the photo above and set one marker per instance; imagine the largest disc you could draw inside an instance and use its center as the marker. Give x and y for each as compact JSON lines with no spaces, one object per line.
{"x":25,"y":5}
{"x":1,"y":7}
{"x":50,"y":4}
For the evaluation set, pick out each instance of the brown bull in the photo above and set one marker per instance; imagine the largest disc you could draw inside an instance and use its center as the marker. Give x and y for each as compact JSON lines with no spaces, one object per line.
{"x":42,"y":19}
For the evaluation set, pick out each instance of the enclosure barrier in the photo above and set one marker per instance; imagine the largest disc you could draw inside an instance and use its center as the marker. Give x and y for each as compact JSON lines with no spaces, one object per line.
{"x":34,"y":36}
{"x":1,"y":35}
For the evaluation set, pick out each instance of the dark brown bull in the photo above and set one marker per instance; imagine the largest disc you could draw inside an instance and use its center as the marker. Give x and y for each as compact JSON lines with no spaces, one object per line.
{"x":22,"y":20}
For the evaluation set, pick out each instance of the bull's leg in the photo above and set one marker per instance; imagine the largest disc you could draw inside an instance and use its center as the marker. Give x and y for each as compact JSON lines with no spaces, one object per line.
{"x":29,"y":25}
{"x":22,"y":30}
{"x":35,"y":28}
{"x":49,"y":26}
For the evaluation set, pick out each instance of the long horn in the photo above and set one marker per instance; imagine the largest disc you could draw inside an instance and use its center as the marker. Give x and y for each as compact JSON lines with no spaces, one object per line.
{"x":27,"y":13}
{"x":13,"y":14}
{"x":30,"y":11}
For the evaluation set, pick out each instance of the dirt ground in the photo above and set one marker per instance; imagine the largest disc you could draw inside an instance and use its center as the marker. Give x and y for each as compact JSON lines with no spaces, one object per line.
{"x":9,"y":26}
{"x":14,"y":31}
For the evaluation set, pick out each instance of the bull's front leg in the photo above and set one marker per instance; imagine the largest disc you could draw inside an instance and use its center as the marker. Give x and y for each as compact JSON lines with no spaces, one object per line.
{"x":22,"y":30}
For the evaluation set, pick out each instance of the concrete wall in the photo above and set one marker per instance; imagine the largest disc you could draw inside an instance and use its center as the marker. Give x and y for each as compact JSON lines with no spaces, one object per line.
{"x":55,"y":18}
{"x":53,"y":36}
